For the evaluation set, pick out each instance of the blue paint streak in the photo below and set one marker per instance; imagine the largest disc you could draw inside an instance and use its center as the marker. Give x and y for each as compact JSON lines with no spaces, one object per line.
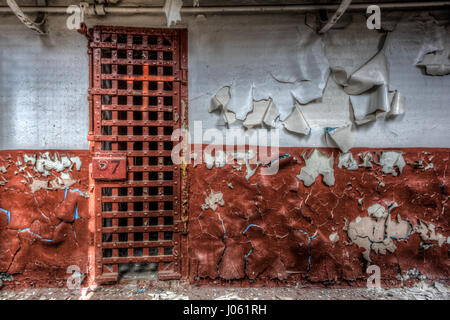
{"x":251,"y":225}
{"x":309,"y":247}
{"x":257,"y":188}
{"x":43,"y":239}
{"x":75,"y":215}
{"x":65,"y":193}
{"x":77,"y":190}
{"x":248,"y":254}
{"x":399,"y":239}
{"x":284,"y":156}
{"x":8,"y":215}
{"x":74,"y":190}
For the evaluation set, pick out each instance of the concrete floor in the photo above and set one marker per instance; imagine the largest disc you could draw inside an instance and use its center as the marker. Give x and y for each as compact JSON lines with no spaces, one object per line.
{"x":154,"y":290}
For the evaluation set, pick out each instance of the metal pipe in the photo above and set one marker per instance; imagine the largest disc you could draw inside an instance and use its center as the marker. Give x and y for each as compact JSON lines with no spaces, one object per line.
{"x":35,"y":26}
{"x":241,"y":9}
{"x":336,"y":16}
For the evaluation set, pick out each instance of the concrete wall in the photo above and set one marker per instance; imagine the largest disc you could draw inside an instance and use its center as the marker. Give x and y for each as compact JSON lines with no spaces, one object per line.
{"x":43,"y":85}
{"x":254,"y":235}
{"x":44,"y":80}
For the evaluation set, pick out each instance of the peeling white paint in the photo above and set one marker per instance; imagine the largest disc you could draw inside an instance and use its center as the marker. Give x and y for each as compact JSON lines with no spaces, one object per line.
{"x":77,"y":162}
{"x":264,"y":111}
{"x":172,"y":10}
{"x":250,"y":172}
{"x":347,"y":161}
{"x":220,"y":102}
{"x":220,"y":159}
{"x":209,"y":160}
{"x":398,"y":105}
{"x":29,"y":159}
{"x":344,"y":137}
{"x":296,"y":122}
{"x":213,"y":200}
{"x":367,"y":159}
{"x":193,"y":156}
{"x":372,"y":74}
{"x":391,"y":159}
{"x":317,"y":163}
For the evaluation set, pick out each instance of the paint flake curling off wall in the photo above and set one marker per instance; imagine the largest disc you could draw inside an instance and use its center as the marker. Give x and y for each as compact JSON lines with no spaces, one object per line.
{"x":342,"y":213}
{"x":43,"y":215}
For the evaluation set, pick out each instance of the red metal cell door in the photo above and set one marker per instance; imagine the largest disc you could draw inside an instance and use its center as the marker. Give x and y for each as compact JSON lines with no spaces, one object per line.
{"x":138,"y":81}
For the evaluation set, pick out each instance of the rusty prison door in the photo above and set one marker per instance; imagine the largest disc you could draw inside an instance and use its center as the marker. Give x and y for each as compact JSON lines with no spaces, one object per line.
{"x":138,"y":79}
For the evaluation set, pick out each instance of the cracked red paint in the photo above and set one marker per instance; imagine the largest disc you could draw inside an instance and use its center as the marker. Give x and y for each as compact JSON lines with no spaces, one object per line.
{"x":271,"y":230}
{"x":48,"y":230}
{"x":274,"y":230}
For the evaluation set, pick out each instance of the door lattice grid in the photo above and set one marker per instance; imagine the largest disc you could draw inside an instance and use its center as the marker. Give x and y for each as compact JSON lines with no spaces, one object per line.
{"x":136,"y":87}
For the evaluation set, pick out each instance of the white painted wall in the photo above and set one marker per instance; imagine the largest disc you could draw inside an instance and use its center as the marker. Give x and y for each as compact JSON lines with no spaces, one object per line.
{"x":44,"y":80}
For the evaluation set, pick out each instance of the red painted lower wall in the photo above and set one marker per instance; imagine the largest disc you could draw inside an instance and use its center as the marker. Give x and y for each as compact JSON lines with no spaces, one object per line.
{"x":273,"y":229}
{"x":269,"y":230}
{"x":43,"y":225}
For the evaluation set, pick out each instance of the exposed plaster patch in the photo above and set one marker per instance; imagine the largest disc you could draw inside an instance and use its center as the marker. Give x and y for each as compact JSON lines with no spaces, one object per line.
{"x":29,"y":159}
{"x":317,"y":163}
{"x":221,"y":159}
{"x":250,"y":171}
{"x":61,"y":183}
{"x":391,"y":159}
{"x":377,"y":211}
{"x":250,"y":154}
{"x":427,"y":232}
{"x":377,"y":232}
{"x":44,"y":166}
{"x":37,"y":185}
{"x":77,"y":162}
{"x":209,"y":160}
{"x":193,"y":156}
{"x":44,"y":163}
{"x":334,"y":237}
{"x":367,"y":159}
{"x":214,"y":199}
{"x":347,"y":161}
